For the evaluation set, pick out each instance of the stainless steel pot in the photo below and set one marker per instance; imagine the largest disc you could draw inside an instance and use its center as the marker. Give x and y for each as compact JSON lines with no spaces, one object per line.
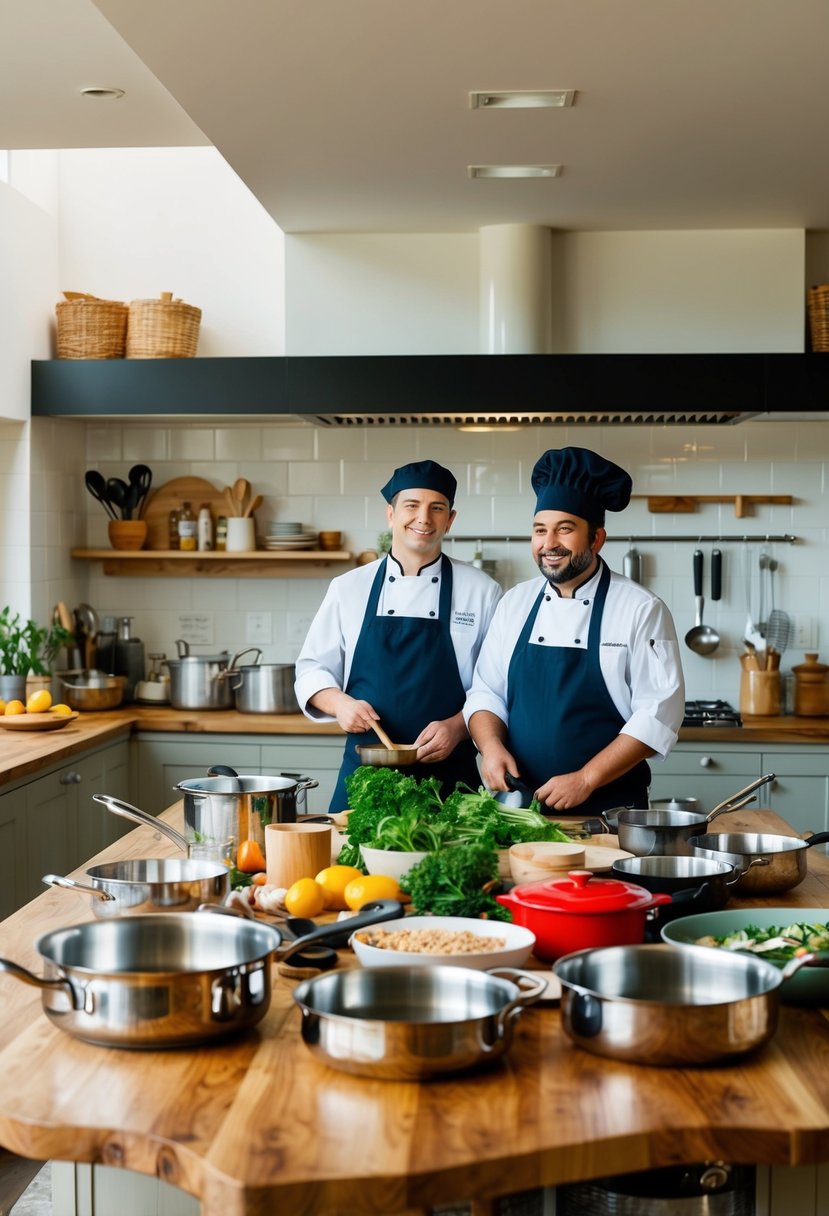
{"x":770,"y":863}
{"x":196,"y":681}
{"x":669,"y":833}
{"x":167,"y":981}
{"x":407,"y":1023}
{"x":649,"y":1005}
{"x":139,"y":887}
{"x":264,"y":688}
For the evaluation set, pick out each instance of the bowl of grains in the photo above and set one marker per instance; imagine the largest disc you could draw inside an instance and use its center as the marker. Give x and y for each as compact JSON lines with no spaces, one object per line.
{"x":461,"y":941}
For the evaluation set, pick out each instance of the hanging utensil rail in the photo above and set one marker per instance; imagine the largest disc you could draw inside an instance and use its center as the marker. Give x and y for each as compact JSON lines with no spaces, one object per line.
{"x":696,"y":538}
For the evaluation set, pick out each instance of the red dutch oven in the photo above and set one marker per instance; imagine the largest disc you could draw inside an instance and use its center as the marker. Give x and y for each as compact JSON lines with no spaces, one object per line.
{"x":581,"y":911}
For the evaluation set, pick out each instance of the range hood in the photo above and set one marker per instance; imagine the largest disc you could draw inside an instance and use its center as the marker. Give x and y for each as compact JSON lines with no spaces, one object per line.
{"x":515,"y":421}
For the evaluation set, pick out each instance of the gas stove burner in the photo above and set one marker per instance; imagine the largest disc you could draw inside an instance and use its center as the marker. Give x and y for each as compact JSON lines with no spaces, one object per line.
{"x":710,"y":713}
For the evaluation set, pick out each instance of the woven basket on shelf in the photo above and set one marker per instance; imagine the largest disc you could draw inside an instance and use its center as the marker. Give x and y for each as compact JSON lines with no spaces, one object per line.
{"x":162,"y":329}
{"x":819,"y":317}
{"x":89,"y":328}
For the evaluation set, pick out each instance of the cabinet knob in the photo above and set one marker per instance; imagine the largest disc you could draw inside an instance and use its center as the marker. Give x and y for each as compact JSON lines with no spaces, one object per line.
{"x":70,"y":778}
{"x":705,"y":761}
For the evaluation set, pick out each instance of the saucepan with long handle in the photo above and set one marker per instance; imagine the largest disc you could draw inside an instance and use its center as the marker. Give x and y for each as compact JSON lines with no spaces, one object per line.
{"x":667,"y":833}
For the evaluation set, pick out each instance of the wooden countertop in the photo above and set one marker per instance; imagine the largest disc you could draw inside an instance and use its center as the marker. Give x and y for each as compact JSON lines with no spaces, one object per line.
{"x":255,"y":1125}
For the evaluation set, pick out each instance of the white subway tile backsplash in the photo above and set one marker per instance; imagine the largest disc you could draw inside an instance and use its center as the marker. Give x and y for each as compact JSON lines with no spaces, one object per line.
{"x":144,"y":444}
{"x":191,"y":443}
{"x":286,"y":443}
{"x":340,"y":443}
{"x":103,"y":442}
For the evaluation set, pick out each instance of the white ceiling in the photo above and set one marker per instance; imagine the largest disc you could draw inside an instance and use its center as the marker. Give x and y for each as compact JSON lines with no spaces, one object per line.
{"x":353,"y":115}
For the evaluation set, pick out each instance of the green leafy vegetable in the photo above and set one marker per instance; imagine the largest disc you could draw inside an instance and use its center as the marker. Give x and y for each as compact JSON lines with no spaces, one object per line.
{"x":479,"y":816}
{"x":454,"y":882}
{"x":375,"y":794}
{"x":776,"y":943}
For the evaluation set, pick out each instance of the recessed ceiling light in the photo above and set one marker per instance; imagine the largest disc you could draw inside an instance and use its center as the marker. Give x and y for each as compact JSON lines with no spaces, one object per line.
{"x":514,"y":170}
{"x":523,"y":100}
{"x":102,"y":93}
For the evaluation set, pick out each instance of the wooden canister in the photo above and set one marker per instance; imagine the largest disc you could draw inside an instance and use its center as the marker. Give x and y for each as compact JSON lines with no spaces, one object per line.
{"x":760,"y":693}
{"x":811,"y":688}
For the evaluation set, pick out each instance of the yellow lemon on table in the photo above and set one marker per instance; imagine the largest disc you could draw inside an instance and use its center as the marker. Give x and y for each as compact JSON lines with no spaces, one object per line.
{"x":62,"y":709}
{"x":14,"y":707}
{"x":334,"y":880}
{"x":368,"y":887}
{"x":39,"y":701}
{"x":305,"y":898}
{"x":2,"y":706}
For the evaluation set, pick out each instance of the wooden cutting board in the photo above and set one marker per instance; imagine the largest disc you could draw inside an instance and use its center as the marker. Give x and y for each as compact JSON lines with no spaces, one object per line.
{"x":170,"y":496}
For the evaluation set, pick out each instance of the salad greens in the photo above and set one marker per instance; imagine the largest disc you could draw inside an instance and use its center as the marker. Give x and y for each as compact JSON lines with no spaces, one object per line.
{"x":776,"y":943}
{"x":390,"y":810}
{"x":456,"y":882}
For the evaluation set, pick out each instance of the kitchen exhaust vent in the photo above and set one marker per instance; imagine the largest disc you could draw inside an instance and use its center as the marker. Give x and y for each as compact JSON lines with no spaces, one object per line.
{"x":504,"y":421}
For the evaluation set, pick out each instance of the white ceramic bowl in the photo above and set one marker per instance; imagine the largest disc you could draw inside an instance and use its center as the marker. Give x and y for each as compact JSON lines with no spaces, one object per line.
{"x":537,"y":860}
{"x":389,"y":861}
{"x":519,"y":943}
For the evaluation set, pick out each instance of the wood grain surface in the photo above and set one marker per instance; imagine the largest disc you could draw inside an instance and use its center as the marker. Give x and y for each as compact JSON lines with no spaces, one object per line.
{"x":256,"y":1126}
{"x":170,"y":496}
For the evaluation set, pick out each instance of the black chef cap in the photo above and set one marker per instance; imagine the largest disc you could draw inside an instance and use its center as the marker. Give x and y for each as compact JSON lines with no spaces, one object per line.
{"x":421,"y":475}
{"x":581,"y":482}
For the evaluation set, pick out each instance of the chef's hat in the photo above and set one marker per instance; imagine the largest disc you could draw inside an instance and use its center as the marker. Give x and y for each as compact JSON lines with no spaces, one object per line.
{"x":421,"y":475}
{"x":581,"y":482}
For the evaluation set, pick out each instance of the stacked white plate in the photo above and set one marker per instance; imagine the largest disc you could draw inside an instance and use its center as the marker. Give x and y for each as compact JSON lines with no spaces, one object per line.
{"x":290,"y":536}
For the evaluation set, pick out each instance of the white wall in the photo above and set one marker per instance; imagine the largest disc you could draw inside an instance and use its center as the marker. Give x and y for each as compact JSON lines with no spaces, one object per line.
{"x":613,"y":292}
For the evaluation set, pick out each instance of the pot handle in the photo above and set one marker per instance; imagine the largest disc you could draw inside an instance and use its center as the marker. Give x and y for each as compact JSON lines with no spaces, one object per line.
{"x":232,"y":670}
{"x":820,"y":958}
{"x":530,"y":989}
{"x":739,"y":871}
{"x":183,"y":648}
{"x":585,"y":1012}
{"x":816,"y":838}
{"x":36,"y":981}
{"x":302,"y":783}
{"x":57,"y":880}
{"x":127,"y":811}
{"x":731,"y":804}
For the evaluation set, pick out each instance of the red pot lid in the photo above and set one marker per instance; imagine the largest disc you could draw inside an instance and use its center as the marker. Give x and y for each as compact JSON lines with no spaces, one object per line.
{"x":582,"y":891}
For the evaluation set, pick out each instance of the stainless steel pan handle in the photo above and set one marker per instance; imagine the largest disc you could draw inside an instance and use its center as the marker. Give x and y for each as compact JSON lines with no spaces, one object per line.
{"x":726,"y":804}
{"x":127,"y":811}
{"x":69,"y":884}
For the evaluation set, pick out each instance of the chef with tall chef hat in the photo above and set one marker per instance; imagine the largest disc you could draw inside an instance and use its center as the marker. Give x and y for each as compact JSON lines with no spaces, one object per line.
{"x":396,"y":640}
{"x":579,"y":680}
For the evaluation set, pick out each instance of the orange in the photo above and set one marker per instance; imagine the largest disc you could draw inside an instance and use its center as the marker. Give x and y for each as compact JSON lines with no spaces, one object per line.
{"x":369,"y":887}
{"x":14,"y":707}
{"x":305,"y":898}
{"x":39,"y":701}
{"x":334,"y":880}
{"x":249,"y":857}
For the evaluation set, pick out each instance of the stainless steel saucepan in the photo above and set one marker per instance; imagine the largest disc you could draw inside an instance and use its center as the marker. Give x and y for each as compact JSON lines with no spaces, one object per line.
{"x":667,"y":833}
{"x":154,"y":884}
{"x":770,"y":862}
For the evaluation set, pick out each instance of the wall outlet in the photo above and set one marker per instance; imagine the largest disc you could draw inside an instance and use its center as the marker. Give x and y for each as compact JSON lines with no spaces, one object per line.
{"x":805,"y":633}
{"x":297,"y":625}
{"x":259,"y":628}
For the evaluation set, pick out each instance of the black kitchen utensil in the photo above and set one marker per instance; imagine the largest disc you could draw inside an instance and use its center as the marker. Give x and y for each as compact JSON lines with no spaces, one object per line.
{"x":118,"y":494}
{"x":97,"y":486}
{"x":140,"y":479}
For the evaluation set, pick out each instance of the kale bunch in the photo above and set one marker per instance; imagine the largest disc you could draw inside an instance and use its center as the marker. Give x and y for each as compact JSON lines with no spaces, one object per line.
{"x":456,"y":882}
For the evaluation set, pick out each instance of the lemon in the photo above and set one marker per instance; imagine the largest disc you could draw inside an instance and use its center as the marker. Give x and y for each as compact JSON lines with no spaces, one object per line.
{"x":39,"y":701}
{"x":334,"y":880}
{"x":62,"y":709}
{"x":305,"y":898}
{"x":14,"y":707}
{"x":369,"y":887}
{"x":2,"y":706}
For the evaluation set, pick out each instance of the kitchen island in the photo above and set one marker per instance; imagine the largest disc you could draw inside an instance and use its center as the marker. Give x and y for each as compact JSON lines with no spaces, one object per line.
{"x":255,"y":1125}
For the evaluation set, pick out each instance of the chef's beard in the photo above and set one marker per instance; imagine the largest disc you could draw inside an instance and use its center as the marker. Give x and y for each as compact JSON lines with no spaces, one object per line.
{"x":578,"y":563}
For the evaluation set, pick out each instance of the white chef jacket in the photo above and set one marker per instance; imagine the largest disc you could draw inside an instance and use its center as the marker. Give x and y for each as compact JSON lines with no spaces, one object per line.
{"x":639,"y":653}
{"x":328,"y":650}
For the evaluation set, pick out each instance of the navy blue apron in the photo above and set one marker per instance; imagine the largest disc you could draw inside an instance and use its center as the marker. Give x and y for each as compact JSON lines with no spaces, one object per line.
{"x":407,"y":669}
{"x":561,"y":714}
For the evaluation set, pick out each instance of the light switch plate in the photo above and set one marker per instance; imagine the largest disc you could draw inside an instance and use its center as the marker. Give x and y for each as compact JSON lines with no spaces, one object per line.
{"x":805,"y":633}
{"x":259,"y":628}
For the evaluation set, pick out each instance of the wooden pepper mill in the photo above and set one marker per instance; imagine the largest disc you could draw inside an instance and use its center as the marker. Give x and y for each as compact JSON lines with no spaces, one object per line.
{"x":811,"y":689}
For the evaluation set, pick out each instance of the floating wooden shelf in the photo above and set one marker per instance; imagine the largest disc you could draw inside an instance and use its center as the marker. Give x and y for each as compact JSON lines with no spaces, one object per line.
{"x":686,"y":504}
{"x":148,"y":563}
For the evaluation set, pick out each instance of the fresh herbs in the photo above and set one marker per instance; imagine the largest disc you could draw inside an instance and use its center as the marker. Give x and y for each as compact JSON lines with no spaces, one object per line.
{"x":776,"y":943}
{"x":378,"y":794}
{"x":455,"y":882}
{"x":479,"y":817}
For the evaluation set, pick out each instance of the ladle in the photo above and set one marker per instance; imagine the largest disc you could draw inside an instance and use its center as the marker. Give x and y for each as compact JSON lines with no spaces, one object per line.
{"x":702,"y":639}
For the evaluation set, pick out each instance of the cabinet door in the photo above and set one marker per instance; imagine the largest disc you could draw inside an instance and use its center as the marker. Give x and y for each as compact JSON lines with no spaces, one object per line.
{"x":706,"y":773}
{"x":51,"y":827}
{"x":104,"y":772}
{"x":304,"y":757}
{"x":800,"y":790}
{"x":12,"y":850}
{"x":162,"y":763}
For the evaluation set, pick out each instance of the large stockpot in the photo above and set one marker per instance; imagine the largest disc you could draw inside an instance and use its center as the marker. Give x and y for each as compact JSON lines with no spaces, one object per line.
{"x":652,"y":1005}
{"x":670,"y":833}
{"x":264,"y":688}
{"x":153,"y":884}
{"x":409,"y":1023}
{"x":197,"y":680}
{"x":770,"y":863}
{"x":167,"y":981}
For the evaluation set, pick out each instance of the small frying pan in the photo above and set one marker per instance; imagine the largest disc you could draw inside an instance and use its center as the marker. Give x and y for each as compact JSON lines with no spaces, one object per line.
{"x":390,"y":755}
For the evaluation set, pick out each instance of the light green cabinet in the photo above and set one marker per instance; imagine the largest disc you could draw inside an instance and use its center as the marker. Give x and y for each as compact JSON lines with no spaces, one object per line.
{"x":707,"y":773}
{"x":12,"y":848}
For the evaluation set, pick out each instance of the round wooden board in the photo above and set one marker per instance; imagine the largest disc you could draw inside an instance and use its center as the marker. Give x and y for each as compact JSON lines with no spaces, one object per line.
{"x":44,"y":721}
{"x":170,"y":496}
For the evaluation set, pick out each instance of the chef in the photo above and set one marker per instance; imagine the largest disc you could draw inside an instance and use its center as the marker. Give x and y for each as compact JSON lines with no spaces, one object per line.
{"x":396,"y":640}
{"x":579,"y":680}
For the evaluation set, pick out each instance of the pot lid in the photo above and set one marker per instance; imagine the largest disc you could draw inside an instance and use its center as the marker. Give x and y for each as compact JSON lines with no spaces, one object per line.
{"x":581,"y":891}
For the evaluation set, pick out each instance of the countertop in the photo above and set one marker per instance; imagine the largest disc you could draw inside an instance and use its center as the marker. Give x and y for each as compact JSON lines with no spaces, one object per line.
{"x":256,"y":1125}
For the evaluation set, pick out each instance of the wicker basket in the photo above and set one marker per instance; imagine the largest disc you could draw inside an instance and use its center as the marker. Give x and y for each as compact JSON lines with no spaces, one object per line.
{"x":162,"y":329}
{"x":819,"y":317}
{"x":89,"y":328}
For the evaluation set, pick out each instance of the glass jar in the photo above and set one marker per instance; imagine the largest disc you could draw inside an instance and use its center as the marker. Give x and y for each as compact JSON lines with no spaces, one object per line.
{"x":187,"y":529}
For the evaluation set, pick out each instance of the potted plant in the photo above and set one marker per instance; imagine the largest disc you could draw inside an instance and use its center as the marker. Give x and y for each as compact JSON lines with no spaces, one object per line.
{"x":26,"y":649}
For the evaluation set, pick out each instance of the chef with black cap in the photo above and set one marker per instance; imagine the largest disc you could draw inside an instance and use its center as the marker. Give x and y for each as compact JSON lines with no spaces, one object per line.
{"x":396,"y":640}
{"x":579,"y":679}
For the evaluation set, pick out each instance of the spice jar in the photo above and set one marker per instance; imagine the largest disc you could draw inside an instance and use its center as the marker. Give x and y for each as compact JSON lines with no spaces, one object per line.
{"x":173,"y":528}
{"x":221,"y":534}
{"x":187,"y":528}
{"x":811,"y":688}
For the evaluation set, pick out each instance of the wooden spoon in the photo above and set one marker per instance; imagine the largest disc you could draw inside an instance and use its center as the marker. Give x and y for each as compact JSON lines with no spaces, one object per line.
{"x":253,"y":505}
{"x":230,"y":500}
{"x":241,"y":490}
{"x":383,"y":737}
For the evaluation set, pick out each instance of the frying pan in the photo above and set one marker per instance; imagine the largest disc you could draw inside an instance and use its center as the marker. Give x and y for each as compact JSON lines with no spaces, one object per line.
{"x":141,"y":886}
{"x":669,"y":833}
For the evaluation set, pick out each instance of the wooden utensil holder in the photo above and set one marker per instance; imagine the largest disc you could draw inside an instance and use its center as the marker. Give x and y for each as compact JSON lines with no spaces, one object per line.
{"x":760,"y":693}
